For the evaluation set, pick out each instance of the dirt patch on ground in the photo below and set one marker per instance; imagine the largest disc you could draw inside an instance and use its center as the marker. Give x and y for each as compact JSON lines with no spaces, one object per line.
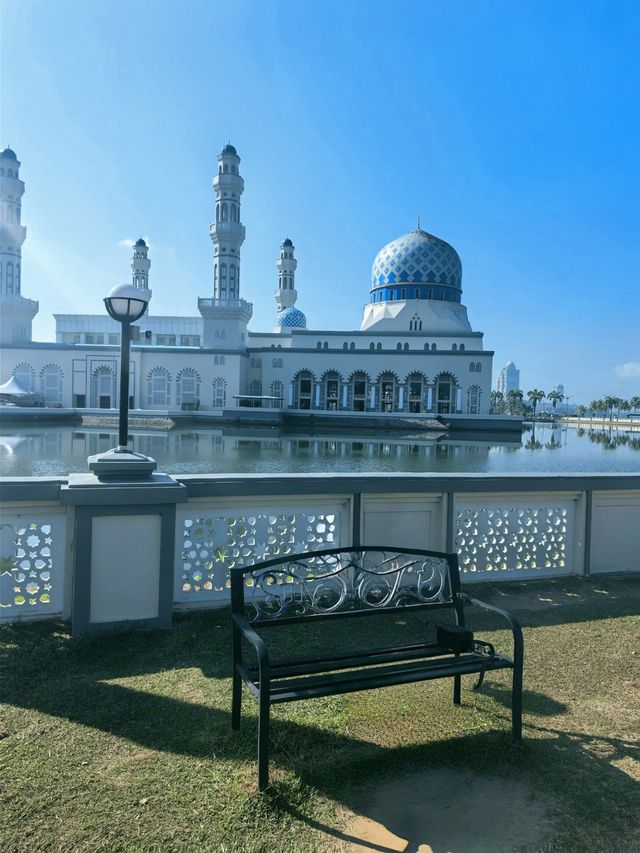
{"x":448,"y":811}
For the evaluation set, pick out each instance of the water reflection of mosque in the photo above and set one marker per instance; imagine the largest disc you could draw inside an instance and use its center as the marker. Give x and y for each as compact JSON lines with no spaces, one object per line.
{"x":187,"y":450}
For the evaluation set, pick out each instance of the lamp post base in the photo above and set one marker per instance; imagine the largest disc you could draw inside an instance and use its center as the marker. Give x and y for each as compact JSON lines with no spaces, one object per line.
{"x":121,"y":463}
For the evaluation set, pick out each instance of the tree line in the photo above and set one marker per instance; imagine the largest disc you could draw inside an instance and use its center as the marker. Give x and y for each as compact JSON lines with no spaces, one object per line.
{"x":514,"y":403}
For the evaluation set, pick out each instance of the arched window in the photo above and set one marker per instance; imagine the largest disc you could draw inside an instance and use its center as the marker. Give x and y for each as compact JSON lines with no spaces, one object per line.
{"x":159,"y":388}
{"x":219,"y":393}
{"x":398,"y":346}
{"x":426,"y":346}
{"x":255,"y":388}
{"x":225,"y":211}
{"x":221,"y":359}
{"x":218,"y":212}
{"x":416,"y":390}
{"x":51,"y":384}
{"x":319,"y":345}
{"x":473,"y":400}
{"x":472,"y":367}
{"x":378,"y":346}
{"x":358,"y":391}
{"x":232,"y":281}
{"x":303,"y":390}
{"x":225,"y":168}
{"x":331,"y":391}
{"x":17,"y":278}
{"x":215,"y":276}
{"x":433,"y":347}
{"x":345,"y":345}
{"x":454,"y":347}
{"x":445,"y":394}
{"x":325,"y":345}
{"x":406,"y":346}
{"x":26,"y":376}
{"x":276,"y":390}
{"x":461,"y":347}
{"x":387,"y":389}
{"x":9,"y":278}
{"x":223,"y":280}
{"x":372,"y":346}
{"x":478,"y":367}
{"x":352,"y":345}
{"x":187,"y":386}
{"x":103,"y":388}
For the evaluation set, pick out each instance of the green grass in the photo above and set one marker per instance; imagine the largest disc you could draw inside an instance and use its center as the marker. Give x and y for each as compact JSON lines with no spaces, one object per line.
{"x":123,"y":741}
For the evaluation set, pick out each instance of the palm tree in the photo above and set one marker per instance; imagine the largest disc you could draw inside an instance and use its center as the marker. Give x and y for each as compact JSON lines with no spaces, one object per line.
{"x":535,"y":397}
{"x":514,"y":398}
{"x":497,"y":400}
{"x":555,"y":397}
{"x":609,"y":405}
{"x":581,"y":411}
{"x":634,"y":402}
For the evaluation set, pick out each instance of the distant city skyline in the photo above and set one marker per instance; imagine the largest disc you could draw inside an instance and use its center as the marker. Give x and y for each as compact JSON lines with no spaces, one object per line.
{"x":508,"y":127}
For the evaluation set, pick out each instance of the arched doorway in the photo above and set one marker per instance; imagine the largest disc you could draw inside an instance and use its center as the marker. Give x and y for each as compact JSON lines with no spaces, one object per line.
{"x":358,"y":391}
{"x":416,"y":389}
{"x":331,"y":391}
{"x":103,"y":388}
{"x":445,"y":394}
{"x":387,"y":389}
{"x":304,"y":390}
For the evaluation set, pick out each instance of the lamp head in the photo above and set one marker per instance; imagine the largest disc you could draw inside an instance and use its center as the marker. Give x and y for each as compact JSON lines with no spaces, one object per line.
{"x":126,"y":303}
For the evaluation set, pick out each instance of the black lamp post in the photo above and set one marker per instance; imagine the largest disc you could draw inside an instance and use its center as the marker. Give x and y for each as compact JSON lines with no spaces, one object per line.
{"x":126,"y":304}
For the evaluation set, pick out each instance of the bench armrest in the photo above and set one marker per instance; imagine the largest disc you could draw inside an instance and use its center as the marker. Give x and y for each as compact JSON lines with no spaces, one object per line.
{"x":518,"y":642}
{"x":256,"y":641}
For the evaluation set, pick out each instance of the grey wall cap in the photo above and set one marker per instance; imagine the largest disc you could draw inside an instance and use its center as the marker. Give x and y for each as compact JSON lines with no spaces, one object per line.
{"x":88,"y":490}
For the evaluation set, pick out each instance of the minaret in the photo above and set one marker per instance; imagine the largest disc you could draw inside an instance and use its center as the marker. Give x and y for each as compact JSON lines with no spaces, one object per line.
{"x":286,"y":294}
{"x":140,"y":265}
{"x":226,"y":315}
{"x":227,"y":232}
{"x":288,"y":316}
{"x":17,"y":312}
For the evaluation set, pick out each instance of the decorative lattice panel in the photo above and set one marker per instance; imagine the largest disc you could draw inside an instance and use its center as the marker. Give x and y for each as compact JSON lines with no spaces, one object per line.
{"x":215,"y":542}
{"x":511,"y":539}
{"x":31,"y":566}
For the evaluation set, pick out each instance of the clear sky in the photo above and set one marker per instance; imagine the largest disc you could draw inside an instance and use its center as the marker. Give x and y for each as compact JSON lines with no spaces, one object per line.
{"x":511,"y":126}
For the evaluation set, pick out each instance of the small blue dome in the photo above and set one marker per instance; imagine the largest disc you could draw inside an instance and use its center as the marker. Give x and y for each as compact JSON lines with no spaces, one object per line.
{"x":417,"y":257}
{"x":229,"y":149}
{"x":291,"y":318}
{"x":8,"y":154}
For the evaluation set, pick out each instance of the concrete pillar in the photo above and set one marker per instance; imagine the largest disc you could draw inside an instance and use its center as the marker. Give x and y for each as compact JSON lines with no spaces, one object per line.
{"x":401,"y":398}
{"x":345,"y":393}
{"x":458,"y":401}
{"x":430,"y":399}
{"x":291,"y":395}
{"x":316,"y":401}
{"x":124,"y":551}
{"x":372,"y":392}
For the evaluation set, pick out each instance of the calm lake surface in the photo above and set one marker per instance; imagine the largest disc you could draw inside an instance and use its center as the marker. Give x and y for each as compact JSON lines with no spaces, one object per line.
{"x":40,"y":451}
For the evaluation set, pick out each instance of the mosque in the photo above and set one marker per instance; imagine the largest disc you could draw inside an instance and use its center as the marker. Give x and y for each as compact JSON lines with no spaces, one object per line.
{"x":414,"y":353}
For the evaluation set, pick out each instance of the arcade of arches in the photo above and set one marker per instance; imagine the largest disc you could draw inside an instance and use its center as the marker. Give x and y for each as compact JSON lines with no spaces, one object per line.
{"x":387,"y":393}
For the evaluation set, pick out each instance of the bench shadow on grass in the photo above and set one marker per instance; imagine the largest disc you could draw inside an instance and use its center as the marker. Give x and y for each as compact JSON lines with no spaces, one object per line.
{"x":77,"y":684}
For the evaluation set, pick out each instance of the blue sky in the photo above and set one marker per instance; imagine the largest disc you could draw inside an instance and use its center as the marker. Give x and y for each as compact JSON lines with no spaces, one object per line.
{"x":511,"y":126}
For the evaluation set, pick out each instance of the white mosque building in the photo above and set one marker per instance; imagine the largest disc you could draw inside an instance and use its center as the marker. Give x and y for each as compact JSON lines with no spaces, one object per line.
{"x":415,"y":351}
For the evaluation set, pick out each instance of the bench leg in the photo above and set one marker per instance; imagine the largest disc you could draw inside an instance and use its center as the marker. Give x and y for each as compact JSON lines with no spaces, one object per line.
{"x":516,"y":704}
{"x":236,"y":701}
{"x":457,"y":681}
{"x":263,"y":741}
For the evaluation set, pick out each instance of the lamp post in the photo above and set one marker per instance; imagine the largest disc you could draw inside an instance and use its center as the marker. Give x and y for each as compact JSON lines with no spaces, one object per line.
{"x":126,"y":305}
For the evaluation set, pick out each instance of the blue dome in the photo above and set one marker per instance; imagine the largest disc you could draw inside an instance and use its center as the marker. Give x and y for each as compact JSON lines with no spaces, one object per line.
{"x":417,"y":257}
{"x":8,"y":154}
{"x":291,"y":318}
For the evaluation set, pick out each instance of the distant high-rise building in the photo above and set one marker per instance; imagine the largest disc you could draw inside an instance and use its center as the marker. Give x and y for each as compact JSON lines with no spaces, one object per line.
{"x":508,"y":378}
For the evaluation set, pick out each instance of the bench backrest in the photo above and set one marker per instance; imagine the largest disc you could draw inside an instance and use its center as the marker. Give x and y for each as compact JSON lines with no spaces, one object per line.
{"x":344,"y":582}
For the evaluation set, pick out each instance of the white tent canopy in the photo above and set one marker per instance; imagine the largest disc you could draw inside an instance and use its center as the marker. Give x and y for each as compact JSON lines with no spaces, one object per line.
{"x":13,"y":387}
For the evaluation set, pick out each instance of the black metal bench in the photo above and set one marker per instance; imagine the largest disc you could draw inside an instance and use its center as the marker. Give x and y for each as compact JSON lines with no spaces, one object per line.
{"x":348,"y":583}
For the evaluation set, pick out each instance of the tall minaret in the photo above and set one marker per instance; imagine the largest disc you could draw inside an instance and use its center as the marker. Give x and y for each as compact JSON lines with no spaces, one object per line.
{"x":227,"y":232}
{"x":17,"y":312}
{"x":286,"y":294}
{"x":140,"y":265}
{"x":226,"y":315}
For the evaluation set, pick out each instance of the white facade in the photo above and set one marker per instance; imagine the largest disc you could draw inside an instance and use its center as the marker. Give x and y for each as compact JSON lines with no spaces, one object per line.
{"x":415,"y":351}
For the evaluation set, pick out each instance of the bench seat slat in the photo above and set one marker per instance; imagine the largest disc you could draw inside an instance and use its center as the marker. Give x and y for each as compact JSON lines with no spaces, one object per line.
{"x":310,"y":666}
{"x":292,"y":689}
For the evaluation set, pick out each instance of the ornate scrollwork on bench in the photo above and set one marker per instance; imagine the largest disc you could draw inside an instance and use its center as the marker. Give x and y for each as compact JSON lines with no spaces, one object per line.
{"x":347,"y":581}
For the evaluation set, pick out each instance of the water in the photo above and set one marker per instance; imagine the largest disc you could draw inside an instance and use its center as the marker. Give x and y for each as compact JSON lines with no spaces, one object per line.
{"x":41,"y":451}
